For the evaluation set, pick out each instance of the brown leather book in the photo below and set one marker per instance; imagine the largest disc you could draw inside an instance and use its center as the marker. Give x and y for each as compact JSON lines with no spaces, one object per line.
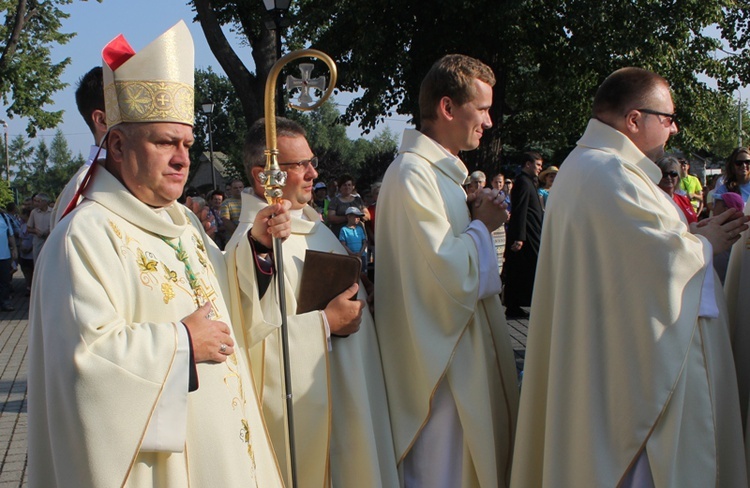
{"x":324,"y":276}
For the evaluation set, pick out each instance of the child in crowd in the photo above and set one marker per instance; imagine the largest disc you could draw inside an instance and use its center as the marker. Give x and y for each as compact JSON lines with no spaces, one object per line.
{"x":352,"y":235}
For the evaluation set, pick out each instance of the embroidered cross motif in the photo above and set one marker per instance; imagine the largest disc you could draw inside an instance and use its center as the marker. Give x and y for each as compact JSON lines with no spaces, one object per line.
{"x":205,"y":292}
{"x":162,"y":100}
{"x":305,"y":84}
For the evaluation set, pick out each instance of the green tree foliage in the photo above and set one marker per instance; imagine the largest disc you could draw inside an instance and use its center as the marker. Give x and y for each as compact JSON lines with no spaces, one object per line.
{"x":21,"y":153}
{"x":6,"y":193}
{"x":714,"y":133}
{"x":365,"y":160}
{"x":28,"y":78}
{"x":44,"y":169}
{"x":378,"y":156}
{"x":549,"y":56}
{"x":327,"y":135}
{"x":62,"y":164}
{"x":228,"y":121}
{"x":41,"y":164}
{"x":244,"y":18}
{"x":735,"y":28}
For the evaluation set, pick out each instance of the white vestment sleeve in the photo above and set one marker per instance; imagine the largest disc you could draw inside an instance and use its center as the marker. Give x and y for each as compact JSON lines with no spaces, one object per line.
{"x":489,"y":273}
{"x":708,"y":307}
{"x":167,"y":428}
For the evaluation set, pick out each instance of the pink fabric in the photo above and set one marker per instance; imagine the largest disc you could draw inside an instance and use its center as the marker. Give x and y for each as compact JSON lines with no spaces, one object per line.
{"x":733,"y":200}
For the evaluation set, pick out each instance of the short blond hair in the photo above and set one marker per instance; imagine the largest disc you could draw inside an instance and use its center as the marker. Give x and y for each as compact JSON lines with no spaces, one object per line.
{"x":451,"y":76}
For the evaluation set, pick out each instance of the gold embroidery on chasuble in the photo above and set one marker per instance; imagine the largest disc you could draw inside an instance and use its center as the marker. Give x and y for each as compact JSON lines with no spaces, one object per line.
{"x":233,"y":381}
{"x":169,"y":274}
{"x":157,"y":275}
{"x":167,"y":283}
{"x":202,"y":254}
{"x":147,"y":264}
{"x":114,"y":228}
{"x":167,"y":291}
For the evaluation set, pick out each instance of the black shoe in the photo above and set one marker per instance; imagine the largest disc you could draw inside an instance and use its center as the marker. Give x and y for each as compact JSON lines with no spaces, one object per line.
{"x":8,"y":308}
{"x":516,"y":313}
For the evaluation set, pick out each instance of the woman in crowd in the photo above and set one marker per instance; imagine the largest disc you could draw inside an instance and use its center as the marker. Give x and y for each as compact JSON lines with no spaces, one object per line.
{"x":737,"y":179}
{"x":346,"y":198}
{"x":546,"y":178}
{"x":670,"y":180}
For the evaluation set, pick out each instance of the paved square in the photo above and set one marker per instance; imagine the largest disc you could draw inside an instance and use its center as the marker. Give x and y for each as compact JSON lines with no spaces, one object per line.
{"x":13,"y":367}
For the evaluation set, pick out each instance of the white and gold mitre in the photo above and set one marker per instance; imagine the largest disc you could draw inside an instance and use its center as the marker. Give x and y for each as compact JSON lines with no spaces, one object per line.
{"x":154,"y":85}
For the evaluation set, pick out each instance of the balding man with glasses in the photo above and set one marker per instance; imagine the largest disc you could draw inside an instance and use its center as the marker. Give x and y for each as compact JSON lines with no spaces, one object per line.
{"x":629,"y":379}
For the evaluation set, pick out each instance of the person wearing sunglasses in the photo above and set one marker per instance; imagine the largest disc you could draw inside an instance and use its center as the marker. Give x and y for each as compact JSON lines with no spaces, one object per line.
{"x":737,"y":178}
{"x":670,"y":177}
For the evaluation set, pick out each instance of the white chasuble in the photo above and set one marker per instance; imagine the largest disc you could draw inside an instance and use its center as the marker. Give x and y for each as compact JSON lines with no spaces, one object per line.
{"x":342,"y":430}
{"x":108,"y":298}
{"x":431,"y":324}
{"x":619,"y":361}
{"x":737,"y":286}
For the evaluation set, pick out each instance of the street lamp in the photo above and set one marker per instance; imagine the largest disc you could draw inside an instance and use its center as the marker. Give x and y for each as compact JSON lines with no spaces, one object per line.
{"x":277,"y":10}
{"x":7,"y":159}
{"x":208,"y":110}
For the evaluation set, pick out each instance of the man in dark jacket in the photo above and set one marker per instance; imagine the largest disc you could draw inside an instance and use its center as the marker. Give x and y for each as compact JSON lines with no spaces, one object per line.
{"x":524,"y":234}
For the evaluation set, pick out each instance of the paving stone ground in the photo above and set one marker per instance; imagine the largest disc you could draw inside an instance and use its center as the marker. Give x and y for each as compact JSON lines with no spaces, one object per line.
{"x":13,"y":364}
{"x":13,"y":367}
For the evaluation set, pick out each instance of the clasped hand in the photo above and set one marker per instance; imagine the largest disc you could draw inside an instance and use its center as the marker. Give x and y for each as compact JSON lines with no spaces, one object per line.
{"x":722,"y":230}
{"x":489,"y":207}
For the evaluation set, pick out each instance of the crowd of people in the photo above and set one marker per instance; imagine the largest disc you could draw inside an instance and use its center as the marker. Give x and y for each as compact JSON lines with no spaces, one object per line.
{"x":159,"y":355}
{"x":23,"y":233}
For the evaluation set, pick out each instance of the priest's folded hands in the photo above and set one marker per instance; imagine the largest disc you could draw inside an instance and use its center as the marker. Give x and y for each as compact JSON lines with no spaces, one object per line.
{"x":489,"y":207}
{"x":722,"y":230}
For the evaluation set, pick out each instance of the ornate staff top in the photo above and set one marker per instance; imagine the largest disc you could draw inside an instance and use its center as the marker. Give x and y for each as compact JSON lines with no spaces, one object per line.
{"x":272,"y":177}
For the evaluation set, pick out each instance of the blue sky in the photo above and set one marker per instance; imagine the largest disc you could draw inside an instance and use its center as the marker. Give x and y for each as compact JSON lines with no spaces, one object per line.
{"x":96,"y":24}
{"x":140,"y":21}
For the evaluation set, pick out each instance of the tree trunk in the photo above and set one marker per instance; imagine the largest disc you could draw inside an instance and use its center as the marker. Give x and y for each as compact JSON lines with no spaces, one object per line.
{"x":250,"y":88}
{"x":22,"y":16}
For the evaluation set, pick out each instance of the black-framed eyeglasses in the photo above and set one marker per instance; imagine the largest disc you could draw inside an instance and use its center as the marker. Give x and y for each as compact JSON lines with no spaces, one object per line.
{"x":672,"y":117}
{"x":740,"y":162}
{"x":304,"y":164}
{"x":670,"y":174}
